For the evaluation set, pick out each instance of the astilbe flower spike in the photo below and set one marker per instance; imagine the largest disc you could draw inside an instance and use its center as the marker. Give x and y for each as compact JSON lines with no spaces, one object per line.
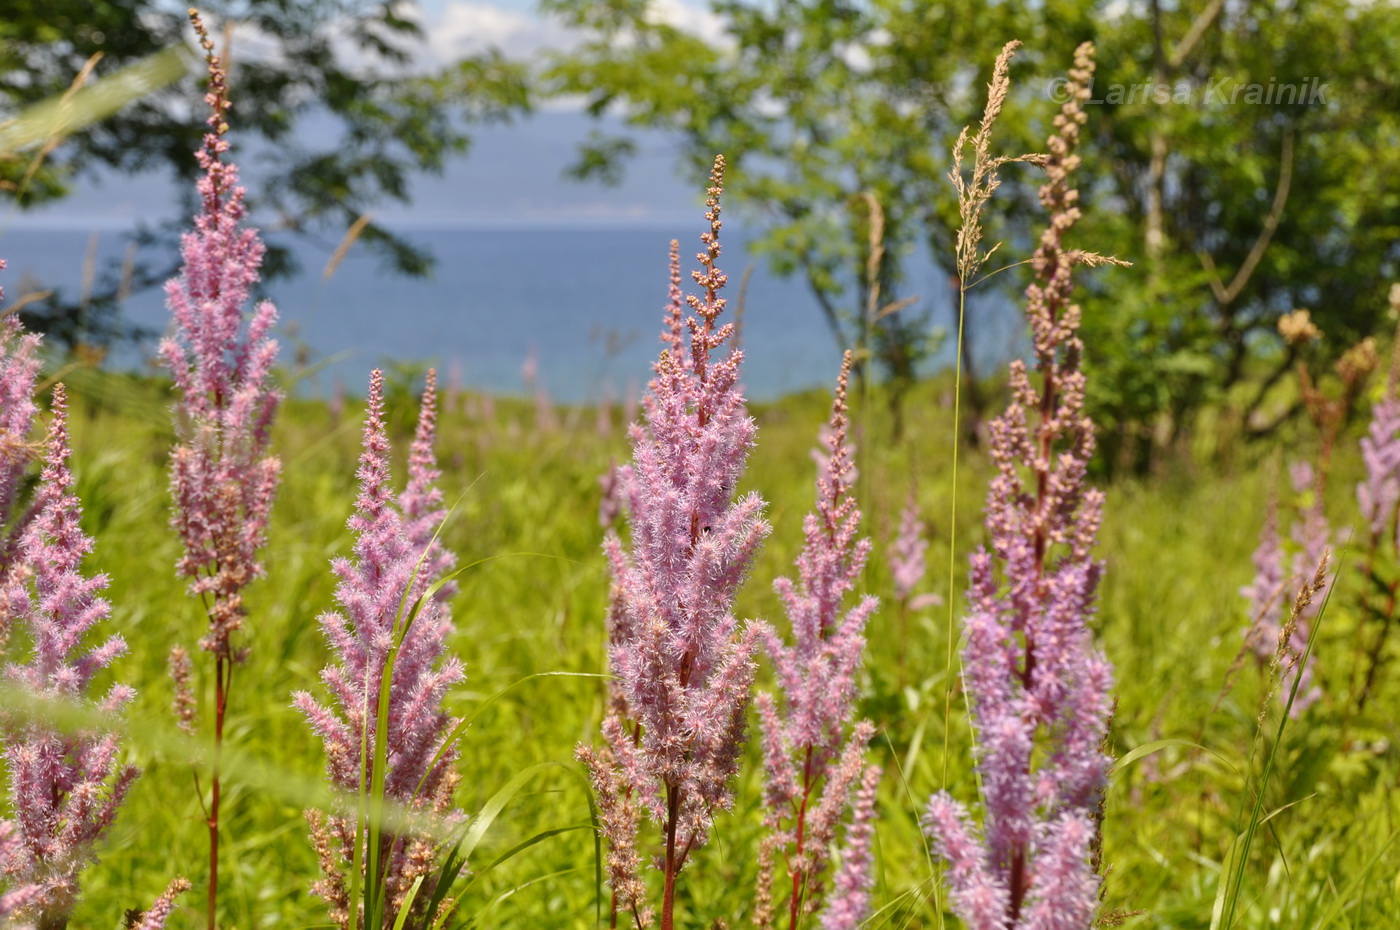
{"x":1037,"y":689}
{"x":15,"y":899}
{"x":1267,"y":591}
{"x":66,"y":787}
{"x":155,"y":916}
{"x":19,"y":367}
{"x":222,"y":475}
{"x":808,"y":775}
{"x":909,"y":556}
{"x":1378,"y":495}
{"x":675,"y":727}
{"x":850,"y":899}
{"x":1275,"y":580}
{"x":377,"y":591}
{"x":1313,"y":537}
{"x":421,"y":501}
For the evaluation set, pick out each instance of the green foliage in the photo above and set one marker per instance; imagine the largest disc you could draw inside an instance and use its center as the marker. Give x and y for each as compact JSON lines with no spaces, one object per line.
{"x":1234,"y":208}
{"x":1234,"y":211}
{"x":803,"y":101}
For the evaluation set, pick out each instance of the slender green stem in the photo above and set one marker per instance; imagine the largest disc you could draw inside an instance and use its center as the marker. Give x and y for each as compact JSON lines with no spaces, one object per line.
{"x":953,"y":525}
{"x":952,"y":553}
{"x":990,"y":274}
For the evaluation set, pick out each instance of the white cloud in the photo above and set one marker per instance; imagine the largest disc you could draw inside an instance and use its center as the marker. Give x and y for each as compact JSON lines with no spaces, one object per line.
{"x":699,"y":21}
{"x":455,"y":29}
{"x":463,"y":28}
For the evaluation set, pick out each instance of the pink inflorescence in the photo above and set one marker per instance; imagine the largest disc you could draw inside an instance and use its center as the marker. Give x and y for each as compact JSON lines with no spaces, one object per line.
{"x":19,"y":368}
{"x":675,"y":731}
{"x":421,"y":501}
{"x":1276,"y":582}
{"x":155,"y":916}
{"x":1037,"y":688}
{"x":808,"y":776}
{"x":1313,"y":537}
{"x":849,"y":903}
{"x":1378,"y":493}
{"x":377,"y":592}
{"x":222,"y":476}
{"x":908,"y":558}
{"x":66,"y":787}
{"x":15,"y":898}
{"x":1268,"y":591}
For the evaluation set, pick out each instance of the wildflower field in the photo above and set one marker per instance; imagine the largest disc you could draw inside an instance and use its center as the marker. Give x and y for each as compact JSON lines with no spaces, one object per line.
{"x":438,"y":659}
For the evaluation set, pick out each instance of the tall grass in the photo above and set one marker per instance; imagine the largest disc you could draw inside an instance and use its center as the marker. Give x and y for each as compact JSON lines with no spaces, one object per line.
{"x":531,"y":603}
{"x":1224,"y":810}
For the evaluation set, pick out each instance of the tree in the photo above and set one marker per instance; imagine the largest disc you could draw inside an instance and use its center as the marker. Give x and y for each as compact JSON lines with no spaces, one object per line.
{"x":1235,"y":208}
{"x":1254,"y":181}
{"x":350,"y":59}
{"x":837,"y":117}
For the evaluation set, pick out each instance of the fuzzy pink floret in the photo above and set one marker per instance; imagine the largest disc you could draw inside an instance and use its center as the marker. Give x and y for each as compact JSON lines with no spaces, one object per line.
{"x":812,"y":747}
{"x":421,"y":501}
{"x":19,"y":369}
{"x":908,"y":558}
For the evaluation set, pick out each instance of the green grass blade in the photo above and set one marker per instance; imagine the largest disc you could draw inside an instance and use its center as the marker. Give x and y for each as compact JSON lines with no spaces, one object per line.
{"x":59,"y":117}
{"x":509,"y":892}
{"x":1246,"y":838}
{"x":461,"y":851}
{"x":408,"y":903}
{"x":1359,"y":882}
{"x":464,"y":725}
{"x":1222,"y":890}
{"x":527,"y":843}
{"x":1157,"y":745}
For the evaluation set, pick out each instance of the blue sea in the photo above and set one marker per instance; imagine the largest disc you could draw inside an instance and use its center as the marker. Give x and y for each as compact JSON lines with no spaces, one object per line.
{"x":587,"y":303}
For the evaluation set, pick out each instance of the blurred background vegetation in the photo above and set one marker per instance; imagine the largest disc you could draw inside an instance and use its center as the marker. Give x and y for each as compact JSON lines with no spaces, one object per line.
{"x":833,"y":114}
{"x":1232,"y":213}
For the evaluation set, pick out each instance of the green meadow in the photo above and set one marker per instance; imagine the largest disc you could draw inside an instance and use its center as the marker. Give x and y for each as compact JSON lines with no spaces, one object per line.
{"x":1208,"y":763}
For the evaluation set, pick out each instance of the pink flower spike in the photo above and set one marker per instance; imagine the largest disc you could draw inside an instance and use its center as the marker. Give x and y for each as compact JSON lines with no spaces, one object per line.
{"x":675,"y":729}
{"x":909,"y":557}
{"x":1038,"y":690}
{"x":222,"y":475}
{"x":850,"y":898}
{"x":377,"y":591}
{"x":812,"y":746}
{"x":19,"y":369}
{"x":1378,"y":494}
{"x":65,"y":787}
{"x":158,"y":913}
{"x":421,"y":501}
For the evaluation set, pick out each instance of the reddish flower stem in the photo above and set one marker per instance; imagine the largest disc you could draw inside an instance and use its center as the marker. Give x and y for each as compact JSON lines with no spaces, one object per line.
{"x":799,"y":875}
{"x":223,"y":673}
